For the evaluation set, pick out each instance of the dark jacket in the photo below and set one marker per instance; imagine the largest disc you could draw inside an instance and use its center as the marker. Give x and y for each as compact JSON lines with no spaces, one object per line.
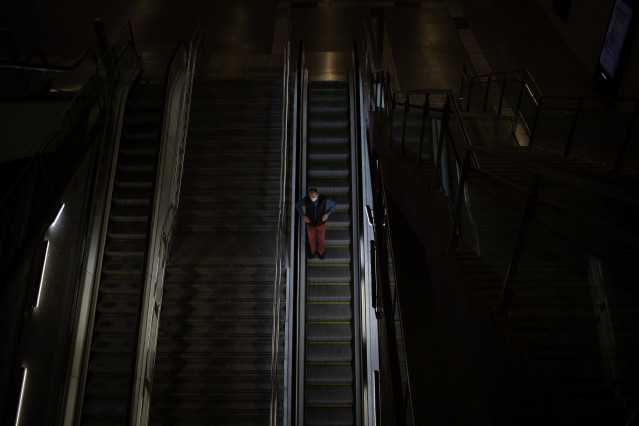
{"x":314,"y":213}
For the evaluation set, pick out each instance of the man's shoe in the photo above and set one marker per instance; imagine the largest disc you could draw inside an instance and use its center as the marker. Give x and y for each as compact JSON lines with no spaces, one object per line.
{"x":312,"y":255}
{"x":321,"y":255}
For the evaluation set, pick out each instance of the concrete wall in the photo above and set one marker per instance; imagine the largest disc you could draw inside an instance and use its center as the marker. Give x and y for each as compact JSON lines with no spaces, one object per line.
{"x":584,"y":32}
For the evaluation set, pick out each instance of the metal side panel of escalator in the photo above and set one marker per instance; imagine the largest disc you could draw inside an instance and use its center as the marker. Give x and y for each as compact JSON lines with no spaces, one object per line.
{"x":108,"y":383}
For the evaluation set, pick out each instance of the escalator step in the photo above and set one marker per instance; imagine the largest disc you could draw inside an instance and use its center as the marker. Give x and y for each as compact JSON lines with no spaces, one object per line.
{"x":115,"y":324}
{"x":103,"y":364}
{"x":328,"y":311}
{"x":325,"y":169}
{"x":317,"y":331}
{"x":330,"y":185}
{"x":327,"y":136}
{"x":123,"y":266}
{"x":108,"y":409}
{"x":113,"y":344}
{"x":336,"y":292}
{"x":127,"y":213}
{"x":329,"y":415}
{"x":111,"y":385}
{"x":339,"y":393}
{"x":118,"y":305}
{"x":328,"y":273}
{"x":329,"y":373}
{"x":221,"y":345}
{"x":121,"y":286}
{"x":328,"y":153}
{"x":126,"y":248}
{"x":203,"y":309}
{"x":125,"y":231}
{"x":131,"y":197}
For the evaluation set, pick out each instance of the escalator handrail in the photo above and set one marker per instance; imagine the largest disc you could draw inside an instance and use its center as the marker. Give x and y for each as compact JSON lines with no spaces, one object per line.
{"x":189,"y":49}
{"x":295,"y":308}
{"x":26,"y":65}
{"x":281,"y":253}
{"x":358,"y":234}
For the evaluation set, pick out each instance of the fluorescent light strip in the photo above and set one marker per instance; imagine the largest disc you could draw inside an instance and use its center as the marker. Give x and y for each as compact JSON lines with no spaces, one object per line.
{"x":24,"y":381}
{"x":44,"y":266}
{"x":58,"y":215}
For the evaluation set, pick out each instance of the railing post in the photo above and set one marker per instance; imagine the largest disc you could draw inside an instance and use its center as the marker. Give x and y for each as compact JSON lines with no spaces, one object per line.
{"x":626,"y":140}
{"x":406,"y":110}
{"x":490,"y":79}
{"x":573,"y":127}
{"x":470,"y":92}
{"x":533,"y":130}
{"x":529,"y":209}
{"x":463,"y":176}
{"x":421,"y":133}
{"x":501,"y":96}
{"x":442,"y":134}
{"x":463,"y":80}
{"x":519,"y":97}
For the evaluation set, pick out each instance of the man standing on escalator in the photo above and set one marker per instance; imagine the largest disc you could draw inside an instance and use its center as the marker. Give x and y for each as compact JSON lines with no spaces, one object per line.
{"x":315,"y":210}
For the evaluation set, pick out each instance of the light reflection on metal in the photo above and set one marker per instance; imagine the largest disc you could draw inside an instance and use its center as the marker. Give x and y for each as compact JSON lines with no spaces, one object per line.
{"x":44,"y":266}
{"x":24,"y":381}
{"x":57,"y":216}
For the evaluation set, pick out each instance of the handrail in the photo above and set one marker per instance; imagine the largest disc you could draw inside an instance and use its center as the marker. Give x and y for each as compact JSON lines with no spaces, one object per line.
{"x":281,"y":254}
{"x":569,"y":104}
{"x":25,"y":65}
{"x":591,"y":186}
{"x":178,"y":82}
{"x":396,"y":304}
{"x":360,"y":379}
{"x":295,"y":291}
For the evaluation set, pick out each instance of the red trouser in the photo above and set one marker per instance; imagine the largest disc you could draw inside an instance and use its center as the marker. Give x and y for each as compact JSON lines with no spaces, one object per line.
{"x":321,"y":233}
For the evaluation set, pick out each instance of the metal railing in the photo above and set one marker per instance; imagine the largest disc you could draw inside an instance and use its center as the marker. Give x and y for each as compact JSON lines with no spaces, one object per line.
{"x":547,"y":205}
{"x":178,"y":89}
{"x":533,"y":198}
{"x":392,"y":399}
{"x":26,"y":64}
{"x":282,"y":260}
{"x":555,"y":121}
{"x":296,"y":293}
{"x":28,"y":200}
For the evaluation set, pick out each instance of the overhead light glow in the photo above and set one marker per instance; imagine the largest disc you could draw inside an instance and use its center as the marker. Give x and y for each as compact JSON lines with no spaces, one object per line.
{"x":24,"y":380}
{"x":58,"y":215}
{"x":44,"y":266}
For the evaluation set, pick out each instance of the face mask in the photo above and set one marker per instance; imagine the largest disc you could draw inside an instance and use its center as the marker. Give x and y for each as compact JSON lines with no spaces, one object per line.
{"x":313,"y":199}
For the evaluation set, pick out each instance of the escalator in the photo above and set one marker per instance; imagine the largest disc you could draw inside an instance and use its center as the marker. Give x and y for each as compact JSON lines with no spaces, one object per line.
{"x":107,"y":391}
{"x":213,"y":362}
{"x":330,"y":355}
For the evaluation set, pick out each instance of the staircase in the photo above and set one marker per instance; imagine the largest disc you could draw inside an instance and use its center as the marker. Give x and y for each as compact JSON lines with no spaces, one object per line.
{"x":329,"y":397}
{"x":574,"y":307}
{"x":107,"y":393}
{"x":213,"y":362}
